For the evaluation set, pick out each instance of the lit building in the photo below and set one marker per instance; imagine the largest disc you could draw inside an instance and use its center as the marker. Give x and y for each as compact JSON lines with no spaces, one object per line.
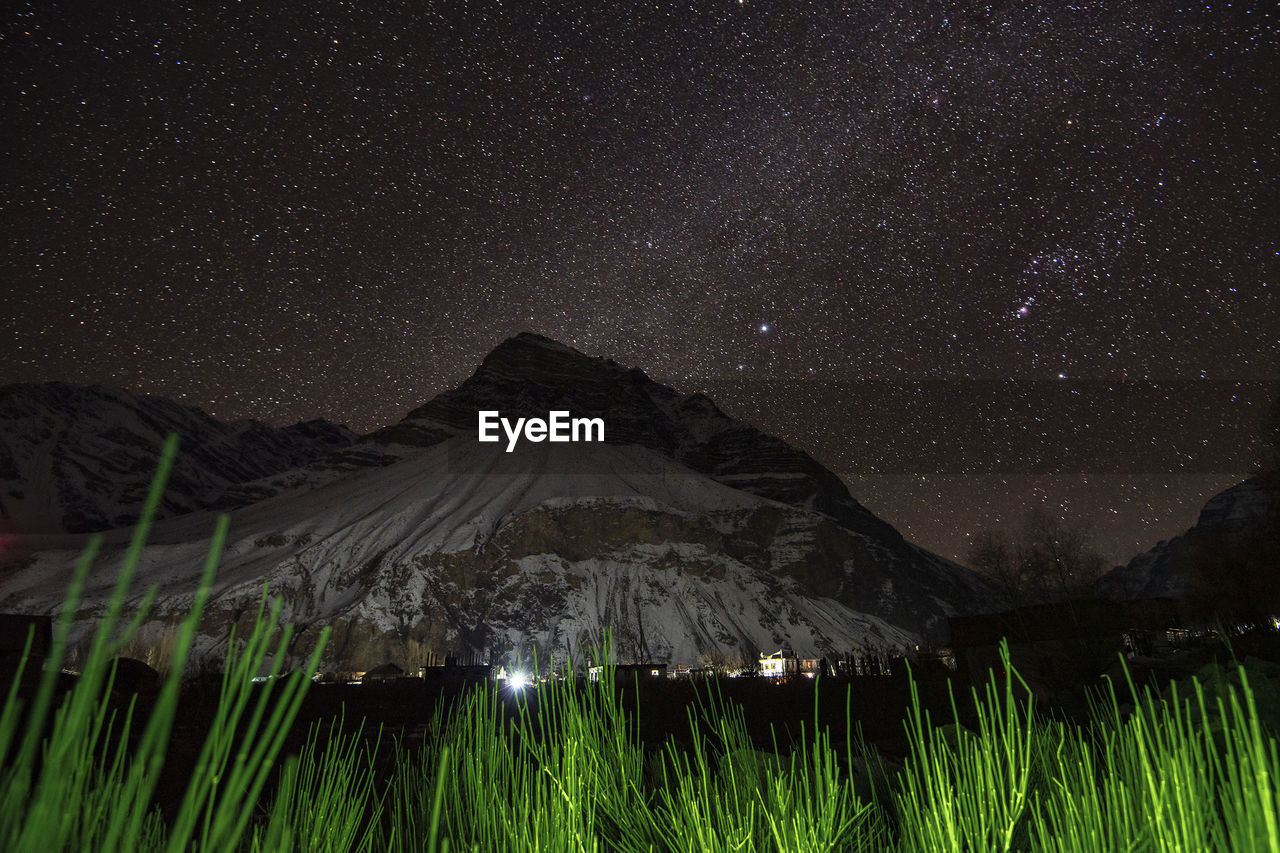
{"x":780,"y":664}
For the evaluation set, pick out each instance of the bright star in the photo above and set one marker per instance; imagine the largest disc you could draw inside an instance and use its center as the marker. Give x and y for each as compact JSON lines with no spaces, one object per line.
{"x":764,"y":327}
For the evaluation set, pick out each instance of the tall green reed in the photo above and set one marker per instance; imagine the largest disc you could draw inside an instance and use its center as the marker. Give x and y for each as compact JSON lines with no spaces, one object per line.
{"x":561,"y":767}
{"x":969,"y":791}
{"x":728,"y":795}
{"x":1160,"y":777}
{"x":70,"y":780}
{"x":553,"y":767}
{"x":325,"y":799}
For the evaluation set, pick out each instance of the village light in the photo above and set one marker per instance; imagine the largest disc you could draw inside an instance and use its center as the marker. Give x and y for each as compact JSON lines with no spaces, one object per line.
{"x":518,"y":681}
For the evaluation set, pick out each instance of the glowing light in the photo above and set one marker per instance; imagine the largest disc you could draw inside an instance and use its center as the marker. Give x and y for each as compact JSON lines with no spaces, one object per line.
{"x":518,"y":681}
{"x":764,"y":327}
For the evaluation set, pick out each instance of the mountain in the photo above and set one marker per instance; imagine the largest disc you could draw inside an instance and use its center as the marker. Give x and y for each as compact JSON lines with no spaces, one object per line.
{"x":529,"y":375}
{"x":690,"y":535}
{"x":80,"y":459}
{"x":1227,"y":518}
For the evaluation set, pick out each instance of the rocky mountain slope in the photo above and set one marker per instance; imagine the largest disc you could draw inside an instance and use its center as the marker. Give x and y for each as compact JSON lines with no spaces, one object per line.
{"x":689,"y":535}
{"x":1163,"y":571}
{"x":78,"y":459}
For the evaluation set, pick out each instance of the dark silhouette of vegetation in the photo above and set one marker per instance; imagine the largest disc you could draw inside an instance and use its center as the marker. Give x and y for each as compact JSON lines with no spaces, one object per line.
{"x":1047,"y":560}
{"x":1234,"y":579}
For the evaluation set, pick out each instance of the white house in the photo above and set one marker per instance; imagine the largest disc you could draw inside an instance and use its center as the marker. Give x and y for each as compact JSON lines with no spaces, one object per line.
{"x":780,"y":664}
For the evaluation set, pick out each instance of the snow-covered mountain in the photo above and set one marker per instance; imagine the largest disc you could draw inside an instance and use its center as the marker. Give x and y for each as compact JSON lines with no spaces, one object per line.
{"x":78,"y":459}
{"x":690,"y":535}
{"x":1227,"y":518}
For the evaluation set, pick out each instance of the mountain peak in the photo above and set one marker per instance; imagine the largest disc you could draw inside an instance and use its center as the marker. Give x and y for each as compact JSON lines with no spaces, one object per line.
{"x":685,"y":532}
{"x":529,"y":352}
{"x":530,"y":375}
{"x":535,"y":339}
{"x":531,"y":345}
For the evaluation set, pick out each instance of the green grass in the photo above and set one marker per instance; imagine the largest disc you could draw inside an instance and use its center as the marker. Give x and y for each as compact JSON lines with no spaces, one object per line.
{"x":562,"y":767}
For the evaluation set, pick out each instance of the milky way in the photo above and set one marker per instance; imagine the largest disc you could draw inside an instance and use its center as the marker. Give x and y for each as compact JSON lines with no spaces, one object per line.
{"x":337,"y":209}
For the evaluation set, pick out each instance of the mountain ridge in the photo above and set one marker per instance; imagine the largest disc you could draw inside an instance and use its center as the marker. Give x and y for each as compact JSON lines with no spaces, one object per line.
{"x":689,"y":428}
{"x":79,"y":458}
{"x":1164,"y":570}
{"x":686,"y":533}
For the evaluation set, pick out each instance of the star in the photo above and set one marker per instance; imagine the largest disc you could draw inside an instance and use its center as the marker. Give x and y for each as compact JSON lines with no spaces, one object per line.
{"x":346,"y":222}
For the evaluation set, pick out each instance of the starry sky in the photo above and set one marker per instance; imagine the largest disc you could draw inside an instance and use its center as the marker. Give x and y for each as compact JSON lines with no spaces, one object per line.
{"x":971,"y":256}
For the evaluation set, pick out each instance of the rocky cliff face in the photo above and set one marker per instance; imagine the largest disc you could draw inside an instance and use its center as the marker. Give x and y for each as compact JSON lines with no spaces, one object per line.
{"x":79,"y":459}
{"x":1163,"y":572}
{"x":688,"y":535}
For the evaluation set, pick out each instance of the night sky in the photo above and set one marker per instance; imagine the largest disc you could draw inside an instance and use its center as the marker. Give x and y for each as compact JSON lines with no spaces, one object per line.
{"x":865,"y":227}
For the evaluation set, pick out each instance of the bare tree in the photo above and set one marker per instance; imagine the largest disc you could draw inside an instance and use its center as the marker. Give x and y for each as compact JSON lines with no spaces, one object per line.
{"x":1049,"y":560}
{"x":1060,"y":557}
{"x":993,"y":554}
